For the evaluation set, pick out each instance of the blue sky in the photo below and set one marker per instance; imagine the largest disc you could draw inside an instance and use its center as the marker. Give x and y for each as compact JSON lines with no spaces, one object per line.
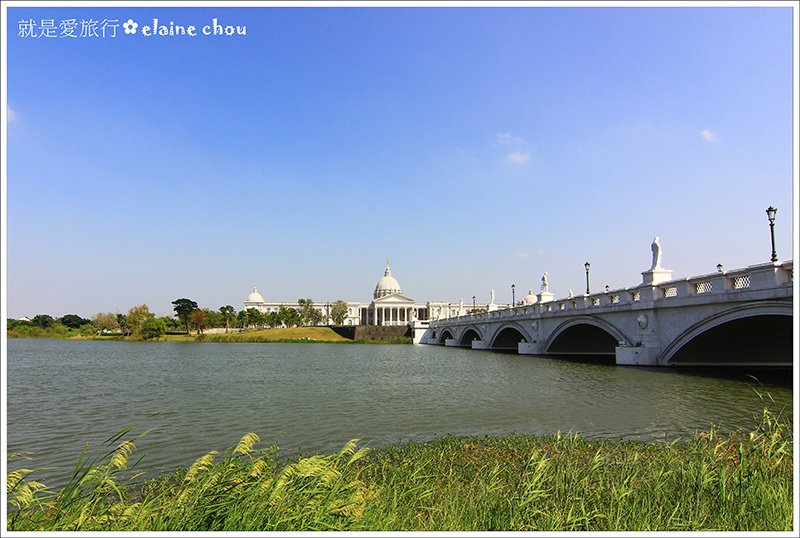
{"x":476,"y":147}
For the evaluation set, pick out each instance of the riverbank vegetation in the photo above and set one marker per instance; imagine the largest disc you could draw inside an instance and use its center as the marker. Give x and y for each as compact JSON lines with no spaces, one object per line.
{"x":741,"y":481}
{"x":141,"y":324}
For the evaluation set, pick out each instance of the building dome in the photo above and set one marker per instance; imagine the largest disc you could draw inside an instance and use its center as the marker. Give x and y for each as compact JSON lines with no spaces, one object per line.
{"x":387,"y":285}
{"x":530,"y":298}
{"x":255,"y":297}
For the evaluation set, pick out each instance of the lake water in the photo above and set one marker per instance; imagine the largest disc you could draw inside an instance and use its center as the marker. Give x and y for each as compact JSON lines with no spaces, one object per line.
{"x":316,"y":397}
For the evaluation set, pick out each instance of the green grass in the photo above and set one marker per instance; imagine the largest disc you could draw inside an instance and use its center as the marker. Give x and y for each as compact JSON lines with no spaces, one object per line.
{"x":304,"y":335}
{"x":741,"y":481}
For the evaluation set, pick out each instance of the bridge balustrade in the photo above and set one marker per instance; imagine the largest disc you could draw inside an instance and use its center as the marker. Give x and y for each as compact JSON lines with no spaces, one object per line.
{"x":754,"y":277}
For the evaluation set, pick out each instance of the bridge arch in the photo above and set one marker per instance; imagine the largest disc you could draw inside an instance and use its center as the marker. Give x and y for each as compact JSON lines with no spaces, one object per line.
{"x":468,"y":335}
{"x":585,"y":335}
{"x":507,"y":336}
{"x":445,"y":334}
{"x":736,"y":336}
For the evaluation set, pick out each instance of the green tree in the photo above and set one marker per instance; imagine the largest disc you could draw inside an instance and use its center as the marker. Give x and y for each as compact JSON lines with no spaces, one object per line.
{"x":289,"y":316}
{"x":87,"y":330}
{"x":73,"y":321}
{"x":241,"y":319}
{"x":171,"y":323}
{"x":134,"y":319}
{"x":43,"y":320}
{"x":255,"y":318}
{"x":183,"y":309}
{"x":228,"y":314}
{"x":122,"y":322}
{"x":153,"y":328}
{"x":273,"y":319}
{"x":338,"y":312}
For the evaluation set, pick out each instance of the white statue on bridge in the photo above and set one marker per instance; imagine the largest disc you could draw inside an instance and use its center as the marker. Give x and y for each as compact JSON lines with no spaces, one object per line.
{"x":656,"y":248}
{"x":544,"y":282}
{"x":491,"y":296}
{"x":571,"y":296}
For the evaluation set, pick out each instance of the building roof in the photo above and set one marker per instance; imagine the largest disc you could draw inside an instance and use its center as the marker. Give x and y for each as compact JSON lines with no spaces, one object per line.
{"x":255,"y":297}
{"x":387,"y":285}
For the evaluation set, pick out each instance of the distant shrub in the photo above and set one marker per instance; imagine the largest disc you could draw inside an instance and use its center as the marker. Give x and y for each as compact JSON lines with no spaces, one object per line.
{"x":87,"y":329}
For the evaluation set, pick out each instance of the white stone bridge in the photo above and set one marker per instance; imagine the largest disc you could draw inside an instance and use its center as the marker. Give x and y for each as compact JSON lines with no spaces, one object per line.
{"x":739,"y":317}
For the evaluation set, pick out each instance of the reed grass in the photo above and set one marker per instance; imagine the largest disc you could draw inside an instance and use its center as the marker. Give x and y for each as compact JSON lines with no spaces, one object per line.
{"x":739,"y":481}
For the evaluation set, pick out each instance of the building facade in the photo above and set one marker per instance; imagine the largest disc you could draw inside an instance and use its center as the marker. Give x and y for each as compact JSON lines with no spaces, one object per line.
{"x":389,"y":306}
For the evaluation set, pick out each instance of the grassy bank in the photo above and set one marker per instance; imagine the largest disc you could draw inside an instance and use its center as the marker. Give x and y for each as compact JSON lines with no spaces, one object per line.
{"x":295,"y":335}
{"x":304,"y":335}
{"x":742,"y":481}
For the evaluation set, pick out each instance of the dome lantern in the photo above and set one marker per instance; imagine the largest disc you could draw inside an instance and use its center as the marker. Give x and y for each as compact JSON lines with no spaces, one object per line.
{"x":387,"y":285}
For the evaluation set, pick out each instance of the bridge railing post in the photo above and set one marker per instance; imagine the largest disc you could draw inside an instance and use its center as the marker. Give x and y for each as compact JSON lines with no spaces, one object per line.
{"x":648,"y":293}
{"x":770,"y":275}
{"x":683,"y":288}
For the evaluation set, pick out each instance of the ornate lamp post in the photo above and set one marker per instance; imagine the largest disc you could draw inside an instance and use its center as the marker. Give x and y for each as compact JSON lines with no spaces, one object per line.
{"x":473,"y":304}
{"x":771,"y":216}
{"x":586,"y":266}
{"x":513,"y":296}
{"x":719,"y":267}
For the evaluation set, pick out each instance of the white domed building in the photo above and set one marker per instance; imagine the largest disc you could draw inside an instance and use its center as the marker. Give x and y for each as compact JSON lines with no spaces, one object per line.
{"x":389,"y":306}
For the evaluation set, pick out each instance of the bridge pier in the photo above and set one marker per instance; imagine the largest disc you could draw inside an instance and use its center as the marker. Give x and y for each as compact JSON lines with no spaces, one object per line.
{"x":480,"y":344}
{"x":532,"y":348}
{"x":636,"y":356}
{"x":451,"y":342}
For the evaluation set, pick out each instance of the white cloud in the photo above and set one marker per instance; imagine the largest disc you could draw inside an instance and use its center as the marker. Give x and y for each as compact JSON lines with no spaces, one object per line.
{"x":518,"y":157}
{"x":507,"y":139}
{"x":522,"y":254}
{"x":10,"y":114}
{"x":709,"y":135}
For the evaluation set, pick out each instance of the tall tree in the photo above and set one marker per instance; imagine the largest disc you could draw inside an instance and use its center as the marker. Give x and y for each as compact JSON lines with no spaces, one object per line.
{"x":308,"y":314}
{"x":273,"y":319}
{"x":289,"y":316}
{"x":241,"y":319}
{"x":198,"y":317}
{"x":183,"y":309}
{"x":255,"y":317}
{"x":134,"y":319}
{"x":228,"y":313}
{"x":338,"y":312}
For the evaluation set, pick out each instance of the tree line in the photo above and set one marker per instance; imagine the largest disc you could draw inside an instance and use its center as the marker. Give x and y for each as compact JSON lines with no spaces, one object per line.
{"x":140,"y":323}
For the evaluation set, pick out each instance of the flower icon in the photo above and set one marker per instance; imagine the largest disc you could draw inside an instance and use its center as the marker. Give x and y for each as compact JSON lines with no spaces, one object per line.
{"x":130,"y":26}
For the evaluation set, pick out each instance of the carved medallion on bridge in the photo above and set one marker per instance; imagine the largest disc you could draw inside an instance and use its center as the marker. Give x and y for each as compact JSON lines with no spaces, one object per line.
{"x":535,"y":326}
{"x":642,"y":321}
